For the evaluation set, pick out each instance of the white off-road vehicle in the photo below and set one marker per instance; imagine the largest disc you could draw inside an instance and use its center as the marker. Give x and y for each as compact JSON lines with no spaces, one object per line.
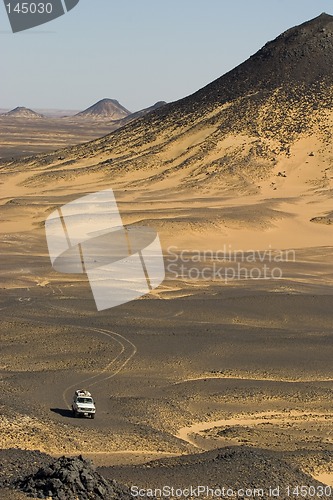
{"x":83,"y":404}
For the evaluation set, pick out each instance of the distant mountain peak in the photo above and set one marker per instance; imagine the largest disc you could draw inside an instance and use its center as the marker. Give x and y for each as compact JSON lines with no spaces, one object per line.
{"x":22,"y":112}
{"x":107,"y":100}
{"x":141,"y":113}
{"x":105,"y":108}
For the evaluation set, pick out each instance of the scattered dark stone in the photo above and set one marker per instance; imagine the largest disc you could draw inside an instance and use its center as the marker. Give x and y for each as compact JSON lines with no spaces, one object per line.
{"x":328,"y":221}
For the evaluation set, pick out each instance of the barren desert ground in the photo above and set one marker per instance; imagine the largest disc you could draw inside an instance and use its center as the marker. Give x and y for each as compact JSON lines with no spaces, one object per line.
{"x":23,"y":137}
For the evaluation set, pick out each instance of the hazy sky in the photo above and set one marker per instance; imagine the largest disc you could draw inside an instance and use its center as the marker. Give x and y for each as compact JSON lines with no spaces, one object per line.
{"x":138,"y":51}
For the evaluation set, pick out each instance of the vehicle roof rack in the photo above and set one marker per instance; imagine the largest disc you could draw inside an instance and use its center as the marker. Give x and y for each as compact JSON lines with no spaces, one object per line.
{"x":82,"y":393}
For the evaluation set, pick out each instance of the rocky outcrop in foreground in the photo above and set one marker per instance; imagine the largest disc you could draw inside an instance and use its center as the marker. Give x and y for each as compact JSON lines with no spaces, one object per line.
{"x":69,"y":479}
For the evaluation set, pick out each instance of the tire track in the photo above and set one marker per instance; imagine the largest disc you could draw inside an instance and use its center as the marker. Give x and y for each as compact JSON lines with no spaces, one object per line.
{"x":127,"y":351}
{"x":192,"y":433}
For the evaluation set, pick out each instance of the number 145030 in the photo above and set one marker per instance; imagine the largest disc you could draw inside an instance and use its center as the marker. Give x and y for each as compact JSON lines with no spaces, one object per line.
{"x":30,"y":8}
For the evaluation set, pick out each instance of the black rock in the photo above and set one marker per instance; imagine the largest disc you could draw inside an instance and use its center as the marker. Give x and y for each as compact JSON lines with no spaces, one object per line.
{"x":69,"y":479}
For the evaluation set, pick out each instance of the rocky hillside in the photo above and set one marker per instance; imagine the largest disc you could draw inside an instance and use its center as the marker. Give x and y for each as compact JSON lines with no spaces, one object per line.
{"x":236,"y":127}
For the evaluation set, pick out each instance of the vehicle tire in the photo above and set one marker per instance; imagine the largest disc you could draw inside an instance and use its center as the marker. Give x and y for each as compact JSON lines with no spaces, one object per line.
{"x":93,"y":415}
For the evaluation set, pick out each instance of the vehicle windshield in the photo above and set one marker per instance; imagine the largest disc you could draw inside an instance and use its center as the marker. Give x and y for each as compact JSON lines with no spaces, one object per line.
{"x":84,"y":400}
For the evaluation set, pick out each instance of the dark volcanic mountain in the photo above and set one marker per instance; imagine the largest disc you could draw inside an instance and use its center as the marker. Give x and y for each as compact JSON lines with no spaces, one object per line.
{"x":300,"y":57}
{"x":106,"y":108}
{"x":264,"y":129}
{"x":277,"y":94}
{"x":22,"y":112}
